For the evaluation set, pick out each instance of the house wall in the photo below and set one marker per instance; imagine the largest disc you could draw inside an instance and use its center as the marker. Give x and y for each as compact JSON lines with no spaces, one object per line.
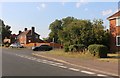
{"x":22,"y":40}
{"x":32,"y":38}
{"x":114,"y":31}
{"x":55,"y":45}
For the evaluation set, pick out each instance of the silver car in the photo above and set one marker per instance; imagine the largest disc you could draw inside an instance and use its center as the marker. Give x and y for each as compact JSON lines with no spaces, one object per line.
{"x":16,"y":45}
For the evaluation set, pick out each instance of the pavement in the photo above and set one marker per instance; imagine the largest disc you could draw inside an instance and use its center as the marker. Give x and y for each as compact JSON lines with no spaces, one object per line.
{"x":109,"y":68}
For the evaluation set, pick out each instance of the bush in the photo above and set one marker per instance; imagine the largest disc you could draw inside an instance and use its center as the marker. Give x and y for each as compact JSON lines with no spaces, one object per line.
{"x":98,"y":50}
{"x":66,"y":48}
{"x":77,"y":48}
{"x":72,"y":48}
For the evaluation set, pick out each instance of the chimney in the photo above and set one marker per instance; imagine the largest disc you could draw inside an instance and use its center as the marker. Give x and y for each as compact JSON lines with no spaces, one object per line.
{"x":32,"y":30}
{"x":25,"y":29}
{"x":20,"y":32}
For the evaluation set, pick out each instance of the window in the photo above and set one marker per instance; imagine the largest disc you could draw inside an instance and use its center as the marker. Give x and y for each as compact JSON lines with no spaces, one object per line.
{"x":117,"y":21}
{"x":118,"y":40}
{"x":21,"y":37}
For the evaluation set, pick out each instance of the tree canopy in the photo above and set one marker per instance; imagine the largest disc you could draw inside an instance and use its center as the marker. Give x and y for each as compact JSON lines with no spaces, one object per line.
{"x":72,"y":31}
{"x":4,"y":30}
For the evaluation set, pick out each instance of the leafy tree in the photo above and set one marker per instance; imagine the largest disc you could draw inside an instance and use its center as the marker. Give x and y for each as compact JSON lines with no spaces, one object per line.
{"x":5,"y":30}
{"x":55,"y":27}
{"x":72,"y":31}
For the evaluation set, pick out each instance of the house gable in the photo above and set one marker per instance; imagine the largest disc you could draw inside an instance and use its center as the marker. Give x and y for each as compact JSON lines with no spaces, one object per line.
{"x":114,"y":31}
{"x":29,"y":36}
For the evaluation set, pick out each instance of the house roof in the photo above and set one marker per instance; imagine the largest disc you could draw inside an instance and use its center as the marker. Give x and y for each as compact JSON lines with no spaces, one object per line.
{"x":117,"y":14}
{"x":26,"y":32}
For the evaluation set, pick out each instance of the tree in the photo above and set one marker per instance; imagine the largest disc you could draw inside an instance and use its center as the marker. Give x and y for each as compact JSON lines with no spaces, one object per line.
{"x":72,"y":31}
{"x":76,"y":32}
{"x":101,"y":36}
{"x":55,"y":27}
{"x":5,"y":30}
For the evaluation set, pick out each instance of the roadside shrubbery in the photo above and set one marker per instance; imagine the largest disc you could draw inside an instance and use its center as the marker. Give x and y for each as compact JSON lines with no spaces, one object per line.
{"x":75,"y":48}
{"x":98,"y":50}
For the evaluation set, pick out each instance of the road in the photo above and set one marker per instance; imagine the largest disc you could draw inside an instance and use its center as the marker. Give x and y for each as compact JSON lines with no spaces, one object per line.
{"x":20,"y":62}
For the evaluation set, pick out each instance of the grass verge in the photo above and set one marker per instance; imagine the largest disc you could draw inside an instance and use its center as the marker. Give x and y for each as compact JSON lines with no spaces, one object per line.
{"x":60,"y":52}
{"x":84,"y":55}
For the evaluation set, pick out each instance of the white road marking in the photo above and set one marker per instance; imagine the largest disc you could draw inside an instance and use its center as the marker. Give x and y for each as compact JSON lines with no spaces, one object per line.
{"x":74,"y":69}
{"x":53,"y":64}
{"x":62,"y":66}
{"x":29,"y":58}
{"x":26,"y":57}
{"x":59,"y":63}
{"x":50,"y":62}
{"x":39,"y":60}
{"x":87,"y":72}
{"x":44,"y":60}
{"x":101,"y":75}
{"x":21,"y":56}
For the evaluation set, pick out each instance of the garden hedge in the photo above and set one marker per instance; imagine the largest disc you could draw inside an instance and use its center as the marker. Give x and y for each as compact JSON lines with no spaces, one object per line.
{"x":98,"y":50}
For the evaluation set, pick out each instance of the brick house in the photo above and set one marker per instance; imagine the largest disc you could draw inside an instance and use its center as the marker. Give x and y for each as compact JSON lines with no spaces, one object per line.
{"x":114,"y":21}
{"x":29,"y":37}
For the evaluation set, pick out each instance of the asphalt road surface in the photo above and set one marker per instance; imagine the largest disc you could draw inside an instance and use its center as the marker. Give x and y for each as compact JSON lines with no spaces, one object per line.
{"x":20,"y":62}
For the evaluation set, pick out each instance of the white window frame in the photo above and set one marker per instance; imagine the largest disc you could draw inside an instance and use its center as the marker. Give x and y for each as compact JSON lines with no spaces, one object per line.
{"x":117,"y":40}
{"x":118,"y":21}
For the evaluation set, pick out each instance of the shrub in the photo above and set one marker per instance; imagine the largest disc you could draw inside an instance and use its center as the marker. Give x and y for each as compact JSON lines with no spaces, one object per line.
{"x":72,"y":48}
{"x":77,"y":48}
{"x":66,"y":48}
{"x":98,"y":50}
{"x":81,"y":47}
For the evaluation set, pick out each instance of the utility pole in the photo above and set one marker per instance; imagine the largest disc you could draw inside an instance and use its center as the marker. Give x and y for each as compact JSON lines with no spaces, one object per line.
{"x":53,"y":42}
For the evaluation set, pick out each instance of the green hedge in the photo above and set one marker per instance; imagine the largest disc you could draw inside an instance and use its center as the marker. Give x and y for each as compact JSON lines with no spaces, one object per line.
{"x":98,"y":50}
{"x":66,"y":48}
{"x":77,"y":48}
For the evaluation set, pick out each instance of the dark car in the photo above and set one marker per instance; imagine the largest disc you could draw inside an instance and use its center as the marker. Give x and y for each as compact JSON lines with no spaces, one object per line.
{"x":42,"y":48}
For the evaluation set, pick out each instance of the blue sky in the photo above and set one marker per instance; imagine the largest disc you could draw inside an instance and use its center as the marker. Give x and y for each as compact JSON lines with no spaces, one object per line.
{"x":40,"y":14}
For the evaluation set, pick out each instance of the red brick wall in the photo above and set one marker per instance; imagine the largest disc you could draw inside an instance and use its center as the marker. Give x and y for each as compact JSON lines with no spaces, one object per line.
{"x":114,"y":31}
{"x":55,"y":45}
{"x":22,"y":40}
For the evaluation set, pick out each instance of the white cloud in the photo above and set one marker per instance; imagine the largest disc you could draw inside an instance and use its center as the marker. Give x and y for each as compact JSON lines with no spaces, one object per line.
{"x":106,"y":12}
{"x":63,"y":3}
{"x":78,"y":4}
{"x":81,"y":2}
{"x":41,"y":6}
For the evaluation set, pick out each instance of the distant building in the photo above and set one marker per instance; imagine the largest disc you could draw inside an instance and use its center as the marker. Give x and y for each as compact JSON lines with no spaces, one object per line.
{"x":7,"y":40}
{"x":29,"y":37}
{"x":114,"y":31}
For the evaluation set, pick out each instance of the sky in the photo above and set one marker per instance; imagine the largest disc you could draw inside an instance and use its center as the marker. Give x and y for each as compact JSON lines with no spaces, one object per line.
{"x":20,"y":15}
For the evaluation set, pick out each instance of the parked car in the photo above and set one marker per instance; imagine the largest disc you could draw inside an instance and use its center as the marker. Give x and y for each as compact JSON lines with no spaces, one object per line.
{"x":42,"y":48}
{"x":16,"y":45}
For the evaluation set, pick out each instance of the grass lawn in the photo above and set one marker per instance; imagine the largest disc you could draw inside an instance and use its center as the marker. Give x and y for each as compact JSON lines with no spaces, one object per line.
{"x":60,"y":52}
{"x":111,"y":58}
{"x":84,"y":55}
